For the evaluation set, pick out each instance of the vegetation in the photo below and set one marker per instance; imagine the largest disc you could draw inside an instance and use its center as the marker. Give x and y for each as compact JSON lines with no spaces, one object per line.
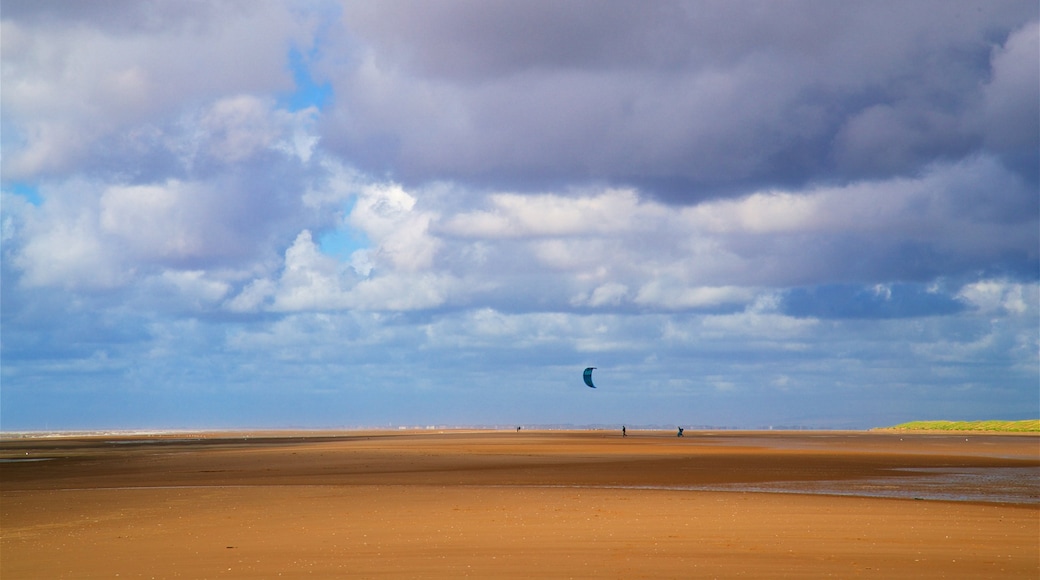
{"x":1027,"y":426}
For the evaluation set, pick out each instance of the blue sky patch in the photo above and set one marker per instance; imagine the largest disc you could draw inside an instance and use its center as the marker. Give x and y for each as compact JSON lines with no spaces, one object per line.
{"x":308,"y":93}
{"x":841,"y":301}
{"x":344,"y":240}
{"x":30,"y":192}
{"x":341,"y":243}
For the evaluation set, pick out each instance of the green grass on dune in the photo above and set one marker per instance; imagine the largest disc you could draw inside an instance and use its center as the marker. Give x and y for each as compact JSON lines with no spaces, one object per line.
{"x":1027,"y":426}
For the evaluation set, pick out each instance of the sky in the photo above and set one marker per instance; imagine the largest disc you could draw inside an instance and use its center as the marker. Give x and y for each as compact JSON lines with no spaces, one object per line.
{"x":318,"y":214}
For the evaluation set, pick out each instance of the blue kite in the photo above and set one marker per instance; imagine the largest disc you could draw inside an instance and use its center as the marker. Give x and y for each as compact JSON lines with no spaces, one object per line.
{"x":588,"y":377}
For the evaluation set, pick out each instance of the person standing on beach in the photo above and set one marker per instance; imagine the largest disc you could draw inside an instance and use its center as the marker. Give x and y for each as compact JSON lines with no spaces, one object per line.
{"x":623,"y":432}
{"x":680,"y":432}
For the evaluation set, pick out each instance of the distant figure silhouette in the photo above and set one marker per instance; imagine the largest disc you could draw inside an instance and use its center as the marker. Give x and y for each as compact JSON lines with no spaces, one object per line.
{"x":623,"y":433}
{"x":680,"y":432}
{"x":518,"y":429}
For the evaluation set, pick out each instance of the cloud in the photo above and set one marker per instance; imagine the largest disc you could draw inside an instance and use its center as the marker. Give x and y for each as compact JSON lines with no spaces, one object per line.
{"x":609,"y":294}
{"x":998,"y":296}
{"x":951,"y":219}
{"x":74,"y":77}
{"x":219,"y":193}
{"x":1009,"y":111}
{"x":611,"y":249}
{"x":538,"y":94}
{"x":803,"y":213}
{"x":59,"y":243}
{"x":236,"y":128}
{"x":169,"y":221}
{"x":668,"y":294}
{"x":310,"y":280}
{"x":195,"y":288}
{"x":548,"y":215}
{"x":313,"y":281}
{"x":388,"y":216}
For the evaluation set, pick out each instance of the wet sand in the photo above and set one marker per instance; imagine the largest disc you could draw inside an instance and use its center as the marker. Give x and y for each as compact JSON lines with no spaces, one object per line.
{"x":424,"y":504}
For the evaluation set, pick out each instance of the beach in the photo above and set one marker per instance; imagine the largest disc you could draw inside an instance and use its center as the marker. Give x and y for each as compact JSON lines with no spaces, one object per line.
{"x":502,"y":503}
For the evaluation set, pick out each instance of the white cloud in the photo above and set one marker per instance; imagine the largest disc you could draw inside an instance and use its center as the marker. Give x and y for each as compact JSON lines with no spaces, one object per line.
{"x":396,"y":227}
{"x":671,"y":294}
{"x":236,"y":127}
{"x":588,"y":257}
{"x":313,"y":281}
{"x":613,"y":211}
{"x":68,"y":85}
{"x":404,"y":291}
{"x":883,"y":291}
{"x":157,"y":221}
{"x":310,"y":279}
{"x":862,"y":206}
{"x":68,"y":252}
{"x":609,"y":294}
{"x":1001,"y":297}
{"x":196,"y":286}
{"x":59,"y":243}
{"x":253,"y":296}
{"x":784,"y":332}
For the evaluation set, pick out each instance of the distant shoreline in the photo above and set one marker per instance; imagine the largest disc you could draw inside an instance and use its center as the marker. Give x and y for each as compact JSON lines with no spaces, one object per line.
{"x":334,"y":431}
{"x":1025,"y":426}
{"x":236,"y":433}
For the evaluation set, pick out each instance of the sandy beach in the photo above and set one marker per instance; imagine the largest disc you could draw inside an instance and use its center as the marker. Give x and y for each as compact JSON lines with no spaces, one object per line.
{"x":545,"y":504}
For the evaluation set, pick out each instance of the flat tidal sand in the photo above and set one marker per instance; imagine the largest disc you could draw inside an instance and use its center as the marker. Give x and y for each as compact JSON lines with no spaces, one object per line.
{"x":487,"y":504}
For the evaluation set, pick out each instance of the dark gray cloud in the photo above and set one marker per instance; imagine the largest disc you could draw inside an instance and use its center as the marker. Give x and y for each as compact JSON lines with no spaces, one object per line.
{"x":687,"y":100}
{"x":118,"y":16}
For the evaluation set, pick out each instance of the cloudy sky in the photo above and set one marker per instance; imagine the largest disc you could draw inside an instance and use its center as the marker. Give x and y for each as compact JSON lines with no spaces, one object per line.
{"x":335,"y":214}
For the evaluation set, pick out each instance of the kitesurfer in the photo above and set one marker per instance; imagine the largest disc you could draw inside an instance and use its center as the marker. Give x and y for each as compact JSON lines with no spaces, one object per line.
{"x":587,"y":375}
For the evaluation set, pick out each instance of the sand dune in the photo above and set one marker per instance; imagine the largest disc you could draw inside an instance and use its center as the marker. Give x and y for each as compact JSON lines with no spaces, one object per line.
{"x":530,"y":504}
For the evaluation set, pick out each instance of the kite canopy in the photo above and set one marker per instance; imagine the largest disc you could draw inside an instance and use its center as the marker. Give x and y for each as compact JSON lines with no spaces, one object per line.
{"x":588,"y":377}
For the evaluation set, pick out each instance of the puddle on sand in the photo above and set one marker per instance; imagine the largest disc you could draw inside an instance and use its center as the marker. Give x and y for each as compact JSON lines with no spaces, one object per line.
{"x":1019,"y":485}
